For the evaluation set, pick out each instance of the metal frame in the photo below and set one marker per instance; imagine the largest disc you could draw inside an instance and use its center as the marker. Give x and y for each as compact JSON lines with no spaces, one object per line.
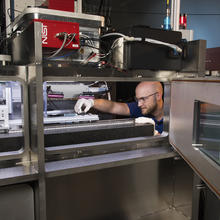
{"x":37,"y":73}
{"x":175,"y":13}
{"x":182,"y":125}
{"x":39,"y":170}
{"x":78,"y":6}
{"x":19,"y":75}
{"x":35,"y":84}
{"x":7,"y":18}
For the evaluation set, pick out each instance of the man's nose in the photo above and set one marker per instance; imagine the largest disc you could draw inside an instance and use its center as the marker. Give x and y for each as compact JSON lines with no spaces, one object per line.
{"x":139,"y":103}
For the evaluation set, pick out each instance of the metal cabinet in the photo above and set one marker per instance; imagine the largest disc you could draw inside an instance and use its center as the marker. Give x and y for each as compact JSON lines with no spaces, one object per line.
{"x":194,"y":126}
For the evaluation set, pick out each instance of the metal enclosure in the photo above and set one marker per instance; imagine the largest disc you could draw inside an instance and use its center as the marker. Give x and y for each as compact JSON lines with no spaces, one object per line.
{"x":18,"y":74}
{"x":125,"y":184}
{"x":135,"y":191}
{"x":134,"y":178}
{"x":187,"y":126}
{"x":89,"y":27}
{"x":17,"y":202}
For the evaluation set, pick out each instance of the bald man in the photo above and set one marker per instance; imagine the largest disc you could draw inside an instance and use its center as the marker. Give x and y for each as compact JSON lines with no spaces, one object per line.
{"x":148,"y":103}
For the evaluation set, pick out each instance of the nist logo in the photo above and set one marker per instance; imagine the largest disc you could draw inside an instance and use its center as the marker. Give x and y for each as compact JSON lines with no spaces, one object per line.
{"x":44,"y":34}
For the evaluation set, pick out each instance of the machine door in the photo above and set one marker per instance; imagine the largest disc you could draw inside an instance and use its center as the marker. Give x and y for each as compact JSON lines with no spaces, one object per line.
{"x":195,"y":126}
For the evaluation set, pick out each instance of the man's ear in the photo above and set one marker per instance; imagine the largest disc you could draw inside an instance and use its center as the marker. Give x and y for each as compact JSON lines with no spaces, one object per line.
{"x":159,"y":96}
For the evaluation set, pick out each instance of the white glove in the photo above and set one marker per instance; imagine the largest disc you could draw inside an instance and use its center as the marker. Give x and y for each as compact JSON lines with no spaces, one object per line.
{"x":143,"y":120}
{"x":83,"y":103}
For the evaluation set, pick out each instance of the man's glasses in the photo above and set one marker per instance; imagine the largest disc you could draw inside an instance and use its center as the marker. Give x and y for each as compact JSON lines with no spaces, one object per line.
{"x":143,"y":99}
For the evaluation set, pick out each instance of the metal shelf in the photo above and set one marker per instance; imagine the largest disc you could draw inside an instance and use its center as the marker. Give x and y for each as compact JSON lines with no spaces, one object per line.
{"x":64,"y":167}
{"x":17,"y":174}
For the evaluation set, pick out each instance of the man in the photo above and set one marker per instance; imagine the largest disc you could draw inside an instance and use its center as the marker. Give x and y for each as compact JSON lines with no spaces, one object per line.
{"x":148,"y":103}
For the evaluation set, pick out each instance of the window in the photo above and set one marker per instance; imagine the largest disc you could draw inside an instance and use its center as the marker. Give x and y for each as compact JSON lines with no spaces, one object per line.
{"x":207,"y":129}
{"x":11,"y":117}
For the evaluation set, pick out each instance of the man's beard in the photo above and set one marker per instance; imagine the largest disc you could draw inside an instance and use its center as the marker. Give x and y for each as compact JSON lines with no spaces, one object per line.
{"x":150,"y":110}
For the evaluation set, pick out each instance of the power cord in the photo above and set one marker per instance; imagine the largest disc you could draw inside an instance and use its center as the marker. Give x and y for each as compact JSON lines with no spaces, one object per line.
{"x":149,"y":40}
{"x":61,"y":35}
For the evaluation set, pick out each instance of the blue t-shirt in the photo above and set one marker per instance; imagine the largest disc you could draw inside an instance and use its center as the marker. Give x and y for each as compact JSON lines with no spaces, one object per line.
{"x":135,"y":112}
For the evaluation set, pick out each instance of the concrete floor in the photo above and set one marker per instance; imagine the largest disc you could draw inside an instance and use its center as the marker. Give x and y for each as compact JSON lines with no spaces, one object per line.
{"x":169,"y":214}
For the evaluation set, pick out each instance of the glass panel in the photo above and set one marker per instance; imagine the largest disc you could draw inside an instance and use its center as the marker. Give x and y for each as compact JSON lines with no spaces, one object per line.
{"x":11,"y":116}
{"x":208,"y":134}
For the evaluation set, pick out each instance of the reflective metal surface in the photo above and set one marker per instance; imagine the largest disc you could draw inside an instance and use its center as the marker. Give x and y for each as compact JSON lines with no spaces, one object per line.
{"x":64,"y":167}
{"x":17,"y":74}
{"x":128,"y":179}
{"x":105,"y":124}
{"x":130,"y":192}
{"x":89,"y":73}
{"x":17,"y":202}
{"x":35,"y":92}
{"x":40,"y":13}
{"x":184,"y":95}
{"x":26,"y":51}
{"x":18,"y":174}
{"x":207,"y":130}
{"x":135,"y":178}
{"x":95,"y":131}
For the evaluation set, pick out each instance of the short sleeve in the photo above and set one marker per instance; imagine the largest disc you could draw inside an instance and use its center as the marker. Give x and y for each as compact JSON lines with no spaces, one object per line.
{"x":135,"y":111}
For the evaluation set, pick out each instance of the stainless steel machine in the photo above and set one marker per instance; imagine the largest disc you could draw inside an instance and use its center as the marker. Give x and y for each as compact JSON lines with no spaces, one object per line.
{"x":65,"y":35}
{"x":194,"y":129}
{"x":95,"y":166}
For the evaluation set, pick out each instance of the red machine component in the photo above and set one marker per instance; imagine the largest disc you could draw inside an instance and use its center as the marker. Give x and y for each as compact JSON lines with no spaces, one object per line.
{"x":183,"y":21}
{"x":55,"y":32}
{"x":64,"y":5}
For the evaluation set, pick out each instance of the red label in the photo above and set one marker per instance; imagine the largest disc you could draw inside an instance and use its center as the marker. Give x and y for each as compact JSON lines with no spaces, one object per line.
{"x":51,"y":29}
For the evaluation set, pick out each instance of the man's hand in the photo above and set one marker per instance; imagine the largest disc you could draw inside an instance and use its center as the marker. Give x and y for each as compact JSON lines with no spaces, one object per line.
{"x":83,"y":103}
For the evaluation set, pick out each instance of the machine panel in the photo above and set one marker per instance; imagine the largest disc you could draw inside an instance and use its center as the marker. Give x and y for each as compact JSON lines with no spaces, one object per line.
{"x":194,"y":126}
{"x":11,"y":117}
{"x":58,"y":33}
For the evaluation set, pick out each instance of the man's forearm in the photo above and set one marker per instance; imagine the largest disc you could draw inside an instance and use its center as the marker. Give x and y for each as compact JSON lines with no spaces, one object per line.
{"x":111,"y":107}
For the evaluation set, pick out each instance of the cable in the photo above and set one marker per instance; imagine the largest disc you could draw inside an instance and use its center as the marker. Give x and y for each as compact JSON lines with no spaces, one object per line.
{"x":66,"y":45}
{"x":153,"y":41}
{"x":91,"y":55}
{"x":62,"y":46}
{"x":3,"y":33}
{"x":92,"y":84}
{"x":87,"y":38}
{"x":91,"y":45}
{"x":114,"y":45}
{"x":10,"y":9}
{"x":86,"y":45}
{"x":52,"y":102}
{"x":63,"y":56}
{"x":173,"y":46}
{"x":89,"y":41}
{"x":4,"y":39}
{"x":113,"y":34}
{"x":108,"y":93}
{"x":73,"y":36}
{"x":100,"y":7}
